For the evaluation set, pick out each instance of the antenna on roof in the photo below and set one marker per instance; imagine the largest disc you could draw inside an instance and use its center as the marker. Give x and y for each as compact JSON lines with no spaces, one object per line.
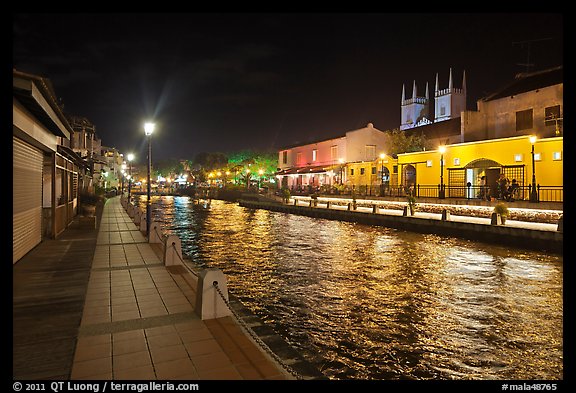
{"x":528,"y":45}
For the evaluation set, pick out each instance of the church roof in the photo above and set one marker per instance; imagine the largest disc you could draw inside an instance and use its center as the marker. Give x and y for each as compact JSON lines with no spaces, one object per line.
{"x":441,"y":129}
{"x":525,"y":82}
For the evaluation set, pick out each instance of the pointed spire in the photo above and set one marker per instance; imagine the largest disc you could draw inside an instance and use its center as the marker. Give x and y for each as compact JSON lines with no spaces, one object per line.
{"x":414,"y":90}
{"x":464,"y":82}
{"x":450,"y":80}
{"x":426,"y":90}
{"x":403,"y":93}
{"x":436,"y":88}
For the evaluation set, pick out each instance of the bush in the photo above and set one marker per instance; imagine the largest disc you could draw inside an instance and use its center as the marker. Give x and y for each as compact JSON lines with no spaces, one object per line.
{"x":501,"y":209}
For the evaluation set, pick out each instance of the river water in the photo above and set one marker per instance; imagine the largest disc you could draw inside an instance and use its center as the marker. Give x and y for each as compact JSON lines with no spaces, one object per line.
{"x":367,"y":302}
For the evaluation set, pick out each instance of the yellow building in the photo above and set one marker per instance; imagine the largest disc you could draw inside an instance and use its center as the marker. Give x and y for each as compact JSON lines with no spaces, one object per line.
{"x":368,"y":176}
{"x":466,"y":163}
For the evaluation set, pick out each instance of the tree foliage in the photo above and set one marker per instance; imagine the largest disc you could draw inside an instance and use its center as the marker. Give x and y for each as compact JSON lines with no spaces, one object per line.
{"x":402,"y":142}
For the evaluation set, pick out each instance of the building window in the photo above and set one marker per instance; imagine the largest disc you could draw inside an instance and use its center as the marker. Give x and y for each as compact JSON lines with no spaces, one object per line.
{"x":557,"y":156}
{"x":298,"y":158}
{"x":373,"y":170}
{"x":334,"y":152}
{"x":395,"y":169}
{"x":524,"y":120}
{"x":408,"y":118}
{"x":370,"y":152}
{"x":456,"y":161}
{"x":351,"y":171}
{"x":361,"y":171}
{"x":518,"y":157}
{"x":551,"y":114}
{"x":442,"y":110}
{"x":314,"y":155}
{"x":429,"y":163}
{"x":284,"y":157}
{"x":537,"y":156}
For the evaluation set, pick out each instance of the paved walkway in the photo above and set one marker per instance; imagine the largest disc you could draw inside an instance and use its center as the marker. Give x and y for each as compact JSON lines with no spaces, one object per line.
{"x":139,"y":321}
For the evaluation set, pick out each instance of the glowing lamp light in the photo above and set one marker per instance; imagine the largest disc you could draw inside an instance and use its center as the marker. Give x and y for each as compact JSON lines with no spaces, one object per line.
{"x":130,"y":156}
{"x":442,"y":149}
{"x":149,"y":128}
{"x":533,"y":139}
{"x":261,"y":171}
{"x":382,"y":156}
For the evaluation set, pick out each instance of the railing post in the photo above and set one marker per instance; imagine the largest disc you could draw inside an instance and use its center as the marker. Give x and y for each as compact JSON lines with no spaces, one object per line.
{"x":560,"y":224}
{"x":445,"y":215}
{"x":418,"y":190}
{"x":172,"y":251}
{"x":143,"y":223}
{"x":209,"y":303}
{"x":155,"y":234}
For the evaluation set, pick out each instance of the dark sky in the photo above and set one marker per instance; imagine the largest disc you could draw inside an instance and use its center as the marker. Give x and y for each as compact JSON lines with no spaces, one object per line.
{"x":226,"y":82}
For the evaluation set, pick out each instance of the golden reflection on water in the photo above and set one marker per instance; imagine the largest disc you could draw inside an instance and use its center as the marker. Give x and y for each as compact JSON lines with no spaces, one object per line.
{"x":376,"y":303}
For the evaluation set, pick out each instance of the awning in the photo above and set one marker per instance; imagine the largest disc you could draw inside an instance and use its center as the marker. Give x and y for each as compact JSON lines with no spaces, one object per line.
{"x":307,"y":170}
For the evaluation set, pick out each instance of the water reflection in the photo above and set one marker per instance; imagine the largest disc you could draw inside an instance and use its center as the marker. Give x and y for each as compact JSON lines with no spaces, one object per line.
{"x":371,"y":302}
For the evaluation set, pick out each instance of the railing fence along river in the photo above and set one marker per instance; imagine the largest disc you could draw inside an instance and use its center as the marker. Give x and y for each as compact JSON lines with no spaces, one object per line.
{"x":367,"y":302}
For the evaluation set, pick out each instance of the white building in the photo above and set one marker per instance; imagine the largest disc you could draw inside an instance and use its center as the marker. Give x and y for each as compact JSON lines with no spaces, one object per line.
{"x":321,"y":163}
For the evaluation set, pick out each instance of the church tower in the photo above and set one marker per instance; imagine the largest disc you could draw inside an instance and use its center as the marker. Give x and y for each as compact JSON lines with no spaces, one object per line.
{"x":414,"y":111}
{"x":450,"y":102}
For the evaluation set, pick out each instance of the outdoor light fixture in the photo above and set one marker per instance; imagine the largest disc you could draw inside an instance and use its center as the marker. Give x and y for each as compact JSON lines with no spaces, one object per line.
{"x":382,"y":156}
{"x":533,"y":192}
{"x":130,"y":157}
{"x":148,"y":130}
{"x":441,"y":193}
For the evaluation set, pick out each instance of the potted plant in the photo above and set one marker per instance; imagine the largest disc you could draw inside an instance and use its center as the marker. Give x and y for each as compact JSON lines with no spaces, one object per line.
{"x":314,"y":198}
{"x":88,"y":204}
{"x":502,"y":210}
{"x":286,"y":194}
{"x":411,"y":203}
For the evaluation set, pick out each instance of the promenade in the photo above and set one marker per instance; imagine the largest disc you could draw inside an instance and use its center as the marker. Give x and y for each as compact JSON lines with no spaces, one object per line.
{"x":101,"y":305}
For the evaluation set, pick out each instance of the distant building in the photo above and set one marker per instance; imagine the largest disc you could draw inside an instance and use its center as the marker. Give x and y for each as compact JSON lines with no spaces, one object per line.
{"x":323,"y":162}
{"x":532,"y":104}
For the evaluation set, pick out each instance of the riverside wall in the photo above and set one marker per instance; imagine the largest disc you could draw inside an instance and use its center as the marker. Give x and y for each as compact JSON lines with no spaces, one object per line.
{"x":540,"y":240}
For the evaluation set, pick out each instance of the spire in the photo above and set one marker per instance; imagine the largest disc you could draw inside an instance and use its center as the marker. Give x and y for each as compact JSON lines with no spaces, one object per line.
{"x":450,"y":80}
{"x":403,"y":94}
{"x":414,"y":90}
{"x":436,"y":88}
{"x":426,"y":90}
{"x":464,"y":82}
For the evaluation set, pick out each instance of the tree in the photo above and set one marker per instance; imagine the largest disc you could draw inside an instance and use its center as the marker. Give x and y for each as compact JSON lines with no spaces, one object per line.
{"x":402,"y":142}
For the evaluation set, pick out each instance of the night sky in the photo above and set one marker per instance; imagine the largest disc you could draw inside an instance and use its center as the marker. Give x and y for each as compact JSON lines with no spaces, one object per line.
{"x":226,"y":82}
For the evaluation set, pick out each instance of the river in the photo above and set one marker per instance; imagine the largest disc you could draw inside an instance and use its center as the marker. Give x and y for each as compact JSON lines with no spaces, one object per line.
{"x":368,"y":302}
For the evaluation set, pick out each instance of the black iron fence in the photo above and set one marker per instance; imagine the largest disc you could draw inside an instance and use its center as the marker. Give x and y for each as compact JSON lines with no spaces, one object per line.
{"x":520,"y":193}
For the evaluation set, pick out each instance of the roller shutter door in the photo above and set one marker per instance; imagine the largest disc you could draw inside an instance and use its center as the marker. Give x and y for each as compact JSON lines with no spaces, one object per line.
{"x":27,"y":198}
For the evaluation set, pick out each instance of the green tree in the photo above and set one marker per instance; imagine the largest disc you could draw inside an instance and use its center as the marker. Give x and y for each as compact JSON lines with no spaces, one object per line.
{"x":402,"y":142}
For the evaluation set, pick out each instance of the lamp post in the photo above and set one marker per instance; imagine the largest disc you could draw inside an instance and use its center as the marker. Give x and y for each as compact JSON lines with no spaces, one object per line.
{"x":441,"y":193}
{"x":382,"y":156}
{"x":148,"y":130}
{"x":130,"y":158}
{"x":123,"y":176}
{"x":533,"y":193}
{"x":260,"y":173}
{"x":341,"y":161}
{"x":247,"y":179}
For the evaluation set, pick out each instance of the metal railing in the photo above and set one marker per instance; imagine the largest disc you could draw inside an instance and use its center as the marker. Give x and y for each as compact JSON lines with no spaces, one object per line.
{"x":522,"y":193}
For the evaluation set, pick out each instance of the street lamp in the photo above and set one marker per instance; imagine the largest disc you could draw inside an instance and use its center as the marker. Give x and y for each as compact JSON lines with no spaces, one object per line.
{"x":441,"y":193}
{"x":341,"y":161}
{"x":247,"y":178}
{"x":382,"y":156}
{"x":533,"y":193}
{"x":260,"y":172}
{"x":130,"y":158}
{"x":123,"y":176}
{"x":148,"y":130}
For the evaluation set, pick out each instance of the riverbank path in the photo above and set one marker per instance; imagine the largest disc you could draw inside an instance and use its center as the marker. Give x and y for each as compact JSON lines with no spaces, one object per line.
{"x":128,"y":316}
